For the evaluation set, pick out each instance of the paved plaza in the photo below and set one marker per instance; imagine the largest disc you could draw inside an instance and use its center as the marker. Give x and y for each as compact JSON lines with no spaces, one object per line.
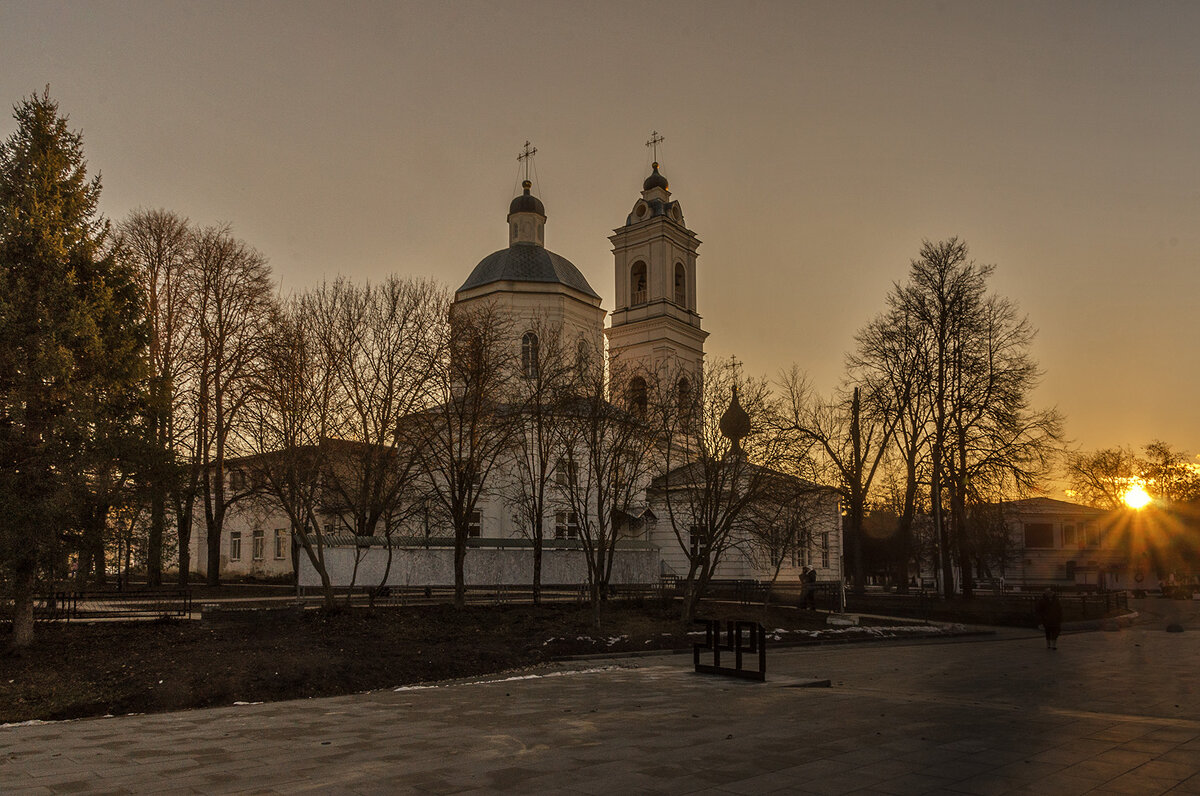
{"x":1112,"y":711}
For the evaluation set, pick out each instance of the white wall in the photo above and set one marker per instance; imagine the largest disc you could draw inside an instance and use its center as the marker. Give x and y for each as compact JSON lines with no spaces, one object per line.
{"x":482,"y":567}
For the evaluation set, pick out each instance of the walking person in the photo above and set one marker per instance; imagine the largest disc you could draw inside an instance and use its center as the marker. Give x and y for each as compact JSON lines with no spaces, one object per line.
{"x":1049,"y":615}
{"x":810,"y":589}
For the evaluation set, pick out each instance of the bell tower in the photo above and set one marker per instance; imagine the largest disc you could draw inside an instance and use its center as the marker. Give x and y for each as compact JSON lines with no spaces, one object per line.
{"x":654,"y":327}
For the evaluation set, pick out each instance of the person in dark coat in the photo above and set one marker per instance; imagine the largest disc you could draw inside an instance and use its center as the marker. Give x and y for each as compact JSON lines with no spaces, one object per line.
{"x":810,"y":589}
{"x":1050,"y":615}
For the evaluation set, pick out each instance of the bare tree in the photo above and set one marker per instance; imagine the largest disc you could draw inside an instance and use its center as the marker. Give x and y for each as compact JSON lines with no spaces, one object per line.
{"x":892,"y":360}
{"x":852,"y":439}
{"x":720,"y":443}
{"x":381,"y":342}
{"x":985,"y":438}
{"x":231,"y":285}
{"x":157,"y":244}
{"x":540,"y":393}
{"x":288,"y":414}
{"x":781,"y":525}
{"x":471,"y":427}
{"x":608,"y":451}
{"x":1101,"y":478}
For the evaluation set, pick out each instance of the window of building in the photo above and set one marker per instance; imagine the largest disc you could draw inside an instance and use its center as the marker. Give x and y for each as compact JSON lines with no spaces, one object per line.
{"x":1091,"y":535}
{"x":825,"y":551}
{"x":260,"y":545}
{"x":637,"y":284}
{"x":638,"y":398}
{"x":698,"y":542}
{"x":237,"y":479}
{"x":1068,"y":536}
{"x":566,"y":525}
{"x":282,"y":537}
{"x":1039,"y":534}
{"x":475,"y":524}
{"x":680,"y":285}
{"x":529,"y":355}
{"x":566,"y":473}
{"x":235,"y":546}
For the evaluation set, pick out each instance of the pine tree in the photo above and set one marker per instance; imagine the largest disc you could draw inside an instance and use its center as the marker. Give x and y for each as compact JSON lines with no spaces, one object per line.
{"x":69,"y":346}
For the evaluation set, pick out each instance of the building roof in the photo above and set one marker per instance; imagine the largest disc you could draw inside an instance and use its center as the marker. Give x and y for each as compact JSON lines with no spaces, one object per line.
{"x":528,"y":262}
{"x":1037,"y":505}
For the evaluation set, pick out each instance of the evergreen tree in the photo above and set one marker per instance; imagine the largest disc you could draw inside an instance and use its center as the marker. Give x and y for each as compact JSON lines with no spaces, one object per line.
{"x":69,"y":345}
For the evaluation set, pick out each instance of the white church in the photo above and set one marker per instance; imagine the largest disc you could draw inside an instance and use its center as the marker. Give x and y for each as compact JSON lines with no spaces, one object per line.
{"x":653,"y":327}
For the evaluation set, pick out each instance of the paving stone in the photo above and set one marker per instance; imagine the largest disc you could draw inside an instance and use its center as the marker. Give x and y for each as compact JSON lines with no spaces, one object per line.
{"x":986,"y":716}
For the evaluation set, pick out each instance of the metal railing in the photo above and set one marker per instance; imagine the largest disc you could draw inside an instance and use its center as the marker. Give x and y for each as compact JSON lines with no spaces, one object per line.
{"x":1010,"y":609}
{"x":65,"y":605}
{"x":493,"y":594}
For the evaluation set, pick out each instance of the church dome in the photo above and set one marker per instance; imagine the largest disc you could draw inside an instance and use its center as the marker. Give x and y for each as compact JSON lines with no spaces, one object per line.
{"x":655,"y":180}
{"x":527,"y":262}
{"x":527,"y":202}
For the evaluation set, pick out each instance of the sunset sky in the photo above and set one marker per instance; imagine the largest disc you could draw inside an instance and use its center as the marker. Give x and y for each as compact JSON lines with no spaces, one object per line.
{"x":812,"y":147}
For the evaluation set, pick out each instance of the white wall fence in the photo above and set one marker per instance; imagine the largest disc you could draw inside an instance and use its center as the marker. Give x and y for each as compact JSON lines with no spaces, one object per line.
{"x":481,"y":567}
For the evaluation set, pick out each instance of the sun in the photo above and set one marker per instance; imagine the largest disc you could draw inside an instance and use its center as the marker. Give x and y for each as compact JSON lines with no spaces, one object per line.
{"x":1136,"y":497}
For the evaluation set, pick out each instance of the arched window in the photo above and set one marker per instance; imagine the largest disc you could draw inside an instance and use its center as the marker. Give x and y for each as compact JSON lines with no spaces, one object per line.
{"x":638,"y":399}
{"x":684,"y":398}
{"x":637,"y":284}
{"x":583,"y":356}
{"x":680,"y":285}
{"x":529,"y":355}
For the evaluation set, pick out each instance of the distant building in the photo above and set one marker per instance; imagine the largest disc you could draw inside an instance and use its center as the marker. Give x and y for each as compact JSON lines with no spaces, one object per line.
{"x":1057,"y":543}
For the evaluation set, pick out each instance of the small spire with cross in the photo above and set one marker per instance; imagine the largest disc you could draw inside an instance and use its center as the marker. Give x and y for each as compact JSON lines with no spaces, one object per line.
{"x":526,"y":157}
{"x":655,"y":140}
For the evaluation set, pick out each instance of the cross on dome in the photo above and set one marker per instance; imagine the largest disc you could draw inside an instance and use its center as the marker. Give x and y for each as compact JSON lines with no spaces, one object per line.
{"x":655,"y":140}
{"x":526,"y":157}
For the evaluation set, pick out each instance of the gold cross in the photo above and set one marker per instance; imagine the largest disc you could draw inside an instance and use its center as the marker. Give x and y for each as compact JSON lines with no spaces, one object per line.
{"x":527,"y":155}
{"x":655,"y":140}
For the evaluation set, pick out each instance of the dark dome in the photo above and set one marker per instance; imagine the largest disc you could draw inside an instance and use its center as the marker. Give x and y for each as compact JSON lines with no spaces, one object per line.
{"x":526,"y":202}
{"x":735,"y":423}
{"x":527,"y":262}
{"x":655,"y":180}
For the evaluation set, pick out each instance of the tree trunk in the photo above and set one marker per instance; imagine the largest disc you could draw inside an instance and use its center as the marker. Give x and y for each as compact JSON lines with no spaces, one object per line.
{"x":154,"y":544}
{"x":184,"y":537}
{"x":537,"y":568}
{"x":23,"y":586}
{"x":213,"y":575}
{"x":460,"y":555}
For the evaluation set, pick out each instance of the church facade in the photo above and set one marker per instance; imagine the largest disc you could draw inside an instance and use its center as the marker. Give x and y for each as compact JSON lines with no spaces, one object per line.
{"x":653,"y":328}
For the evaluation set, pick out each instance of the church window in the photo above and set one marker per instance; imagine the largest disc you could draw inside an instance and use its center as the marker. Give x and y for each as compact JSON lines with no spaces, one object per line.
{"x":684,"y":399}
{"x":566,"y":525}
{"x":825,"y":551}
{"x":697,"y":542}
{"x":529,"y":355}
{"x":583,"y":353}
{"x":638,"y":400}
{"x":566,"y":473}
{"x":637,"y":284}
{"x":680,"y":285}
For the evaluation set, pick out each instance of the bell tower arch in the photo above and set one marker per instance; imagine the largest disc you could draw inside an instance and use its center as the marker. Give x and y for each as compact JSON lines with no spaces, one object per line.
{"x":654,"y":326}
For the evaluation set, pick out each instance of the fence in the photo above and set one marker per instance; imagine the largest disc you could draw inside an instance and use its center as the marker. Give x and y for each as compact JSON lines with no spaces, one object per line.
{"x":64,"y":605}
{"x":495,"y":594}
{"x":1011,"y":609}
